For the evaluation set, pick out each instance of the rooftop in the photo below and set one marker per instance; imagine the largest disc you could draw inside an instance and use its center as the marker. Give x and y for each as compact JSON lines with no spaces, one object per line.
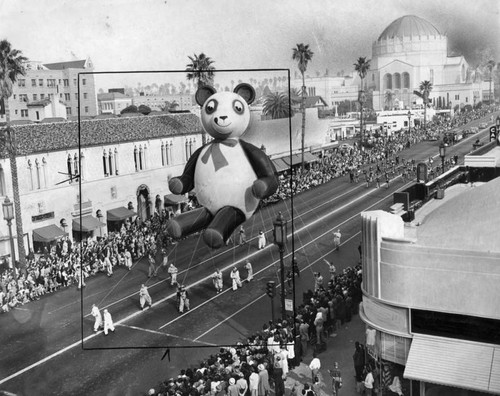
{"x":78,"y":64}
{"x":409,"y":26}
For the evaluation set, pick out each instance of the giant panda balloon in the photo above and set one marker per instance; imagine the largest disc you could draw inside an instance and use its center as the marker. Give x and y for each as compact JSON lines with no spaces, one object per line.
{"x":229,"y":175}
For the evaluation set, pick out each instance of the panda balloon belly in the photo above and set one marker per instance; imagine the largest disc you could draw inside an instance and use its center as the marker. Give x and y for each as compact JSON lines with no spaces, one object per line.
{"x":229,"y":185}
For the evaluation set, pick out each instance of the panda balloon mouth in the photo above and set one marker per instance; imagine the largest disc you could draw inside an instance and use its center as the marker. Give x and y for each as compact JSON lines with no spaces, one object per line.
{"x":222,"y":125}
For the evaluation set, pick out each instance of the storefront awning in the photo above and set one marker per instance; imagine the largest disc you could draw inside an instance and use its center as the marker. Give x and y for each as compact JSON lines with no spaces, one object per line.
{"x":119,"y":214}
{"x":297,"y":158}
{"x":280,"y":165}
{"x":457,"y":363}
{"x":172,"y":199}
{"x":48,"y":233}
{"x":86,"y":223}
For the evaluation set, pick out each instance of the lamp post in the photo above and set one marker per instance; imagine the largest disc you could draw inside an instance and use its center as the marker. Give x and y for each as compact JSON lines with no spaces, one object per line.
{"x":279,"y":235}
{"x":498,"y":129}
{"x":442,"y":154}
{"x":99,"y":217}
{"x":409,"y":121}
{"x":8,"y":215}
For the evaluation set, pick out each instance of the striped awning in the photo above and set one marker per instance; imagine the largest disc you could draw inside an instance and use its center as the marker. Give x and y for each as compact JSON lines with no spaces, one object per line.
{"x":86,"y":223}
{"x":119,"y":214}
{"x":452,"y":362}
{"x":280,"y":165}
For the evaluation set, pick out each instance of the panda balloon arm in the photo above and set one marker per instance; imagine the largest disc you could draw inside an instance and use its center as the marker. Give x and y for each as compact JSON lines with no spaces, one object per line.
{"x":267,"y":182}
{"x":185,"y":182}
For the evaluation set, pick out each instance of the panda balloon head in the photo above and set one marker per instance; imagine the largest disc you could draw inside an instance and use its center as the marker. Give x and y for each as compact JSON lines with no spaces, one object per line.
{"x":225,"y":114}
{"x":228,"y":175}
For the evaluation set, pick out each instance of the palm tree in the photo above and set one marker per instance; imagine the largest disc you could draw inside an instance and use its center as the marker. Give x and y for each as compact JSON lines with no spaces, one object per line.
{"x":490,"y":66}
{"x":11,"y":67}
{"x":362,"y":66}
{"x":425,"y":88}
{"x":389,"y":99}
{"x":302,"y":54}
{"x":277,"y":105}
{"x":200,"y":70}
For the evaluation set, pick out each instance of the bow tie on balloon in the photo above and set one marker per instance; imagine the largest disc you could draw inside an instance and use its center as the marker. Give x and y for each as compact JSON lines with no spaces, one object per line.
{"x":215,"y":152}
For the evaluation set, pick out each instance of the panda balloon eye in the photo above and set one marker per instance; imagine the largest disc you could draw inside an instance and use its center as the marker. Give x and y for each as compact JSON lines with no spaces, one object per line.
{"x":211,"y":106}
{"x":238,"y":107}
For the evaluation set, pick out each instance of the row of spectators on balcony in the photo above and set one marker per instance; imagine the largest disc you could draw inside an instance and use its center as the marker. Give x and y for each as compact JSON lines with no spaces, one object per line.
{"x":263,"y":360}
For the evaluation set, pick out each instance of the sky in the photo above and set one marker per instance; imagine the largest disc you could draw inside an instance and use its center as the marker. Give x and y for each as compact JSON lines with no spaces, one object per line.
{"x":123,"y":35}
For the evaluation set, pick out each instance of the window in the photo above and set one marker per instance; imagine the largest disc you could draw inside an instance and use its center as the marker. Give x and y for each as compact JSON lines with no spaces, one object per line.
{"x":82,"y":166}
{"x":40,"y":82}
{"x":21,"y":82}
{"x":30,"y":169}
{"x":84,"y":81}
{"x":44,"y":169}
{"x":86,"y":109}
{"x":85,"y":95}
{"x":169,"y":153}
{"x":33,"y":82}
{"x":23,"y":97}
{"x":111,"y":162}
{"x":68,"y":111}
{"x":105,"y":163}
{"x":24,"y":113}
{"x":42,"y":96}
{"x":432,"y":76}
{"x":76,"y":96}
{"x":66,"y":82}
{"x":38,"y":178}
{"x":2,"y":182}
{"x":67,"y":96}
{"x":136,"y":159}
{"x":69,"y":163}
{"x":116,"y":161}
{"x":35,"y":97}
{"x":141,"y":158}
{"x":163,"y":155}
{"x":59,"y":81}
{"x":457,"y":97}
{"x":50,"y":95}
{"x":51,"y":82}
{"x":75,"y":83}
{"x":37,"y":115}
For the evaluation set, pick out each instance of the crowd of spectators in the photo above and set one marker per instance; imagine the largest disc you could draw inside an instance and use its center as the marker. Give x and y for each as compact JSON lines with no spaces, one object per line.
{"x":262,"y":361}
{"x":70,"y":263}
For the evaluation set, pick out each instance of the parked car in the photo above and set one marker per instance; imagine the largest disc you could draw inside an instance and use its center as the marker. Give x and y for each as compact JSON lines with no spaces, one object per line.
{"x":483,"y":125}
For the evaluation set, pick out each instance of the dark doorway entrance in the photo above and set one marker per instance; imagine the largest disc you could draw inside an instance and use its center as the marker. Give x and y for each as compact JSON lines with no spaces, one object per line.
{"x":143,"y":204}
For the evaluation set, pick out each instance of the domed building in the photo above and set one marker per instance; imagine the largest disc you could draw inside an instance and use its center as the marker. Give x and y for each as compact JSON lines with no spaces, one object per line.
{"x":411,"y":50}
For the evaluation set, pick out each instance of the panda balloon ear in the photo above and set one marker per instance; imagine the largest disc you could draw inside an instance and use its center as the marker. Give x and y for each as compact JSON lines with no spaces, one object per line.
{"x":203,"y":93}
{"x":246,"y":91}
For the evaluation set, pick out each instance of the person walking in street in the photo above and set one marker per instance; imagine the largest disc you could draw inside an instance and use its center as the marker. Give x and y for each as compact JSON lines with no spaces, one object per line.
{"x":172,"y":270}
{"x":314,"y":366}
{"x":242,"y":236}
{"x":152,"y":271}
{"x":336,"y":240}
{"x":336,"y":379}
{"x":183,"y":299}
{"x":359,"y":364}
{"x":261,"y":240}
{"x":264,"y":387}
{"x":98,"y":317}
{"x":331,"y":269}
{"x":144,"y":297}
{"x":248,"y":267}
{"x":217,"y":280}
{"x":108,"y":322}
{"x":235,"y":277}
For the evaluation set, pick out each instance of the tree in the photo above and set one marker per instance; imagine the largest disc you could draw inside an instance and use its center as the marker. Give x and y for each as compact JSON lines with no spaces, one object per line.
{"x":389,"y":99}
{"x":490,"y":66}
{"x":302,"y":54}
{"x":425,"y":89}
{"x":361,"y":66}
{"x":129,"y":109}
{"x":201,"y":70}
{"x":277,"y":106}
{"x":144,"y":109}
{"x":11,"y":67}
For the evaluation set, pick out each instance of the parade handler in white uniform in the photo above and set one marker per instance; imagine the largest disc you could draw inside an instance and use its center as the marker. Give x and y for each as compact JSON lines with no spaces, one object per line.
{"x":108,"y":322}
{"x":248,"y":267}
{"x":98,"y":317}
{"x":217,"y":279}
{"x":235,"y":276}
{"x":172,"y":270}
{"x":144,"y":296}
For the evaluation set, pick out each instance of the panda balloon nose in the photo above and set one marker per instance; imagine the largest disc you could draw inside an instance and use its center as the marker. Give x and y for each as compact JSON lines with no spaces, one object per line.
{"x":223,"y":117}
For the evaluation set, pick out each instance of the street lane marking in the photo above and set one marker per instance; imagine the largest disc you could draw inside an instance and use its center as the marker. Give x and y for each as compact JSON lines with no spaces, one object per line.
{"x":168,"y":335}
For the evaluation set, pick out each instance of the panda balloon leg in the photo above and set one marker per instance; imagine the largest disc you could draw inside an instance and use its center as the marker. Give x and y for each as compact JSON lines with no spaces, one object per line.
{"x":225,"y":221}
{"x":189,"y":222}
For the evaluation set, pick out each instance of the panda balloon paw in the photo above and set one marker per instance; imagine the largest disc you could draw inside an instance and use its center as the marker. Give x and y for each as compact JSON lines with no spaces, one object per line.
{"x":229,"y":175}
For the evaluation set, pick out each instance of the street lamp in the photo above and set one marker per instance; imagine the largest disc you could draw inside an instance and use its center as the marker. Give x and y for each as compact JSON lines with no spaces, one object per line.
{"x":8,"y":215}
{"x":409,"y":121}
{"x":442,"y":154}
{"x":280,"y":236}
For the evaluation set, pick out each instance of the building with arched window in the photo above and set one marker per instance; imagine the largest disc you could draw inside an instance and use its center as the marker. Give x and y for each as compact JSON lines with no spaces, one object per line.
{"x":411,"y":50}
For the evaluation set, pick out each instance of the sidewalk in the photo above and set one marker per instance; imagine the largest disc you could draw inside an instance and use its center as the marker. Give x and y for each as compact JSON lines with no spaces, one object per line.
{"x":339,"y":349}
